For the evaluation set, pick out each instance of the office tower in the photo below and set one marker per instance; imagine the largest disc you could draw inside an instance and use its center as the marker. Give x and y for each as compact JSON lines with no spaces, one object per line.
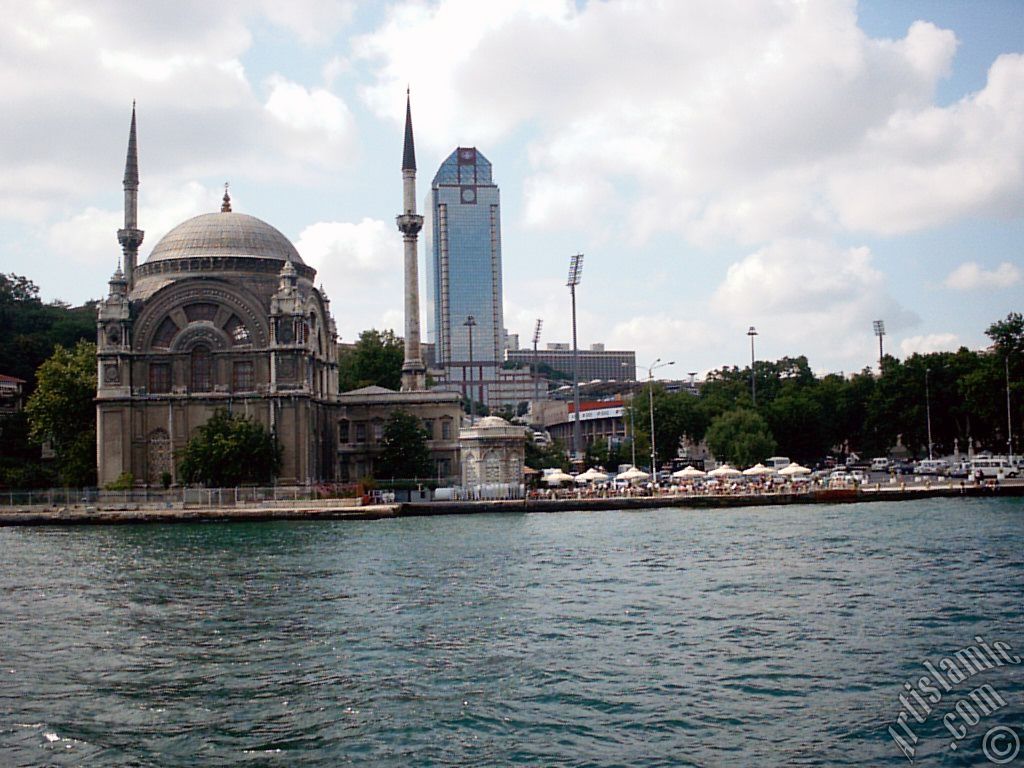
{"x":463,"y":272}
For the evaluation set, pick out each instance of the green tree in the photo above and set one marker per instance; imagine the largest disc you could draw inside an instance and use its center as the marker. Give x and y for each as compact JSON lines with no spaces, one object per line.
{"x":230,"y":450}
{"x":405,"y":453}
{"x":61,"y":411}
{"x":546,"y":456}
{"x":30,"y":330}
{"x":740,"y":436}
{"x":376,"y":359}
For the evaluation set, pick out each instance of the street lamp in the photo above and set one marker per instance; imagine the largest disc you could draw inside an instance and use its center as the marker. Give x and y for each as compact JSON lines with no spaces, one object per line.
{"x":650,"y":394}
{"x":575,"y":274}
{"x":879,"y":326}
{"x":632,"y":426}
{"x":928,"y":409}
{"x":1009,"y":421}
{"x":753,"y":386}
{"x":470,"y":324}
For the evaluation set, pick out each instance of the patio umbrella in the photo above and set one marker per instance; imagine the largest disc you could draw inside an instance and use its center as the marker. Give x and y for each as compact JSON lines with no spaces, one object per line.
{"x":632,"y":474}
{"x":557,"y":478}
{"x":724,"y":471}
{"x":687,"y":473}
{"x":591,"y":476}
{"x":757,"y":470}
{"x":794,"y":469}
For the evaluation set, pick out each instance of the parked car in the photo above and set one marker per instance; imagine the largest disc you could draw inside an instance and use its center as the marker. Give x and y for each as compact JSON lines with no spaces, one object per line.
{"x":993,"y":466}
{"x":880,"y":464}
{"x":960,"y":469}
{"x":931,"y":467}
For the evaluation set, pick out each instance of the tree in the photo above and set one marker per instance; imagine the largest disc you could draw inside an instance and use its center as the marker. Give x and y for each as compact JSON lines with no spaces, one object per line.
{"x":230,"y":450}
{"x":547,"y":456}
{"x":376,"y":359}
{"x":405,"y":453}
{"x":61,"y":411}
{"x":740,"y":436}
{"x":30,"y":329}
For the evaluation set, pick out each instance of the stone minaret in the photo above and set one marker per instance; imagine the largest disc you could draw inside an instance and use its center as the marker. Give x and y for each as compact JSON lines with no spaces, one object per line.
{"x":414,"y":372}
{"x":130,"y":237}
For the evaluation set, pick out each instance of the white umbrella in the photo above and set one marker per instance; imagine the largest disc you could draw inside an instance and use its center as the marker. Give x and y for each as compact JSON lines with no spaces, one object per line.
{"x":557,"y":478}
{"x":632,"y":474}
{"x":794,"y":469}
{"x":687,"y":472}
{"x":724,"y":471}
{"x":591,"y":476}
{"x":756,"y":470}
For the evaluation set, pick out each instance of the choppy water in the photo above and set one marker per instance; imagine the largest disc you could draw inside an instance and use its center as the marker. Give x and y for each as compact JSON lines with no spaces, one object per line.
{"x":746,"y":637}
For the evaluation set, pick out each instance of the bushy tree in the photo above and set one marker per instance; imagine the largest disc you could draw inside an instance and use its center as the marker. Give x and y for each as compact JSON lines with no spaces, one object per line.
{"x":405,"y":453}
{"x":740,"y":436}
{"x":376,"y":360}
{"x":230,"y":450}
{"x":30,"y":329}
{"x":61,"y":411}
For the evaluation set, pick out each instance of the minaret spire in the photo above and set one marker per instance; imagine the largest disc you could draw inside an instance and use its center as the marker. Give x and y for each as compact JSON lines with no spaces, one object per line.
{"x":409,"y":150}
{"x":414,"y":372}
{"x":131,"y":236}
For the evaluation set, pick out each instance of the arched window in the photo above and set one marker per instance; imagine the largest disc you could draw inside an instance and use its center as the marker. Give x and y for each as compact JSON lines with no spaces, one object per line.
{"x":202,"y":370}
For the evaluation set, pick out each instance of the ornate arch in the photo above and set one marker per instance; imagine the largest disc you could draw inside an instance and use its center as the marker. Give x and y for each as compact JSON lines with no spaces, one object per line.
{"x":237,"y":300}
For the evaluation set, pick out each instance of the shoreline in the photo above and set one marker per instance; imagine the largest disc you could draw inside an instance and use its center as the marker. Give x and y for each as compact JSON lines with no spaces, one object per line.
{"x":80,"y":515}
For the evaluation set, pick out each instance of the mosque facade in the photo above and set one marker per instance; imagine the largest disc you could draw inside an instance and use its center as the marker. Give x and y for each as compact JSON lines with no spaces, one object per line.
{"x":224,"y":314}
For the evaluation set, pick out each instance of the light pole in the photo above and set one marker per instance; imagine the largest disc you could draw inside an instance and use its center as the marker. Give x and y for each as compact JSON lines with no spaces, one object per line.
{"x":1009,"y":420}
{"x":536,"y":364}
{"x":879,"y":326}
{"x":575,"y":274}
{"x":753,"y":386}
{"x":928,"y":409}
{"x":650,"y":394}
{"x":632,"y":426}
{"x":470,"y":324}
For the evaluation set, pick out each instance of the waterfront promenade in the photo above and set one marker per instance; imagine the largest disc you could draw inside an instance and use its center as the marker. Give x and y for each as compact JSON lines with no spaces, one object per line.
{"x":351,"y":509}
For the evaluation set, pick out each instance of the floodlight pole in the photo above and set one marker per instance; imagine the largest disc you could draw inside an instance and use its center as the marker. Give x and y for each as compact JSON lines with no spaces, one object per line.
{"x":536,"y":363}
{"x":753,"y":385}
{"x":880,"y":331}
{"x":575,"y":273}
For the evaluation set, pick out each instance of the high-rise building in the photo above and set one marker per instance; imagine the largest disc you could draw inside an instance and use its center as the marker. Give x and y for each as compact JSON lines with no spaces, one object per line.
{"x":463,"y":273}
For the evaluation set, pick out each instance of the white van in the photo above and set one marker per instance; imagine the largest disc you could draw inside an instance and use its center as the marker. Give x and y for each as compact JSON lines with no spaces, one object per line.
{"x":992,"y":466}
{"x":880,"y":464}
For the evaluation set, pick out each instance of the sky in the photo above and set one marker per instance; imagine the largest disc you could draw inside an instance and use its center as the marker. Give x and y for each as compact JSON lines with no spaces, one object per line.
{"x":804,"y":167}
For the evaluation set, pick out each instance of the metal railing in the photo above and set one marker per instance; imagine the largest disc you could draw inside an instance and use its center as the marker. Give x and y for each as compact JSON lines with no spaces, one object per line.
{"x":180,"y":497}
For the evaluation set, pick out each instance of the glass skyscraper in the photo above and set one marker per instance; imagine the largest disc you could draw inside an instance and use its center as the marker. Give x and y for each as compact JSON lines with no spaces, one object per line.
{"x":463,"y":268}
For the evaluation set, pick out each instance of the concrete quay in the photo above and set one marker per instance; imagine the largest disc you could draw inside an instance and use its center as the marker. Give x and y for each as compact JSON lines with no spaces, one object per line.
{"x":326,"y":510}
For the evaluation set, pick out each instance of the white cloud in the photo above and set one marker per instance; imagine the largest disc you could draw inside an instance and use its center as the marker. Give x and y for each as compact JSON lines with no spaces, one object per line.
{"x":971,"y":276}
{"x":813,"y":298}
{"x":932,"y":342}
{"x":762,"y":121}
{"x":89,"y":237}
{"x":360,"y":265}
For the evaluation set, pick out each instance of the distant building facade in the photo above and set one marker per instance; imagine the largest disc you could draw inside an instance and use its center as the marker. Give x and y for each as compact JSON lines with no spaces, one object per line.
{"x":463,"y":273}
{"x":594,"y":363}
{"x":11,"y":399}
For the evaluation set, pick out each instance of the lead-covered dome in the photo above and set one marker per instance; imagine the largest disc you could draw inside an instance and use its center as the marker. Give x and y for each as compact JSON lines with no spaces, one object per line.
{"x":224,"y":234}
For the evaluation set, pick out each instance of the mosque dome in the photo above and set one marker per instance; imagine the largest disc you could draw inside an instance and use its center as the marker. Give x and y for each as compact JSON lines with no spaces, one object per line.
{"x":224,"y":234}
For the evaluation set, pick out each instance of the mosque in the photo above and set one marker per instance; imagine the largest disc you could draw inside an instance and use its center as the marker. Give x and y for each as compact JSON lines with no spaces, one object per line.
{"x":224,"y":313}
